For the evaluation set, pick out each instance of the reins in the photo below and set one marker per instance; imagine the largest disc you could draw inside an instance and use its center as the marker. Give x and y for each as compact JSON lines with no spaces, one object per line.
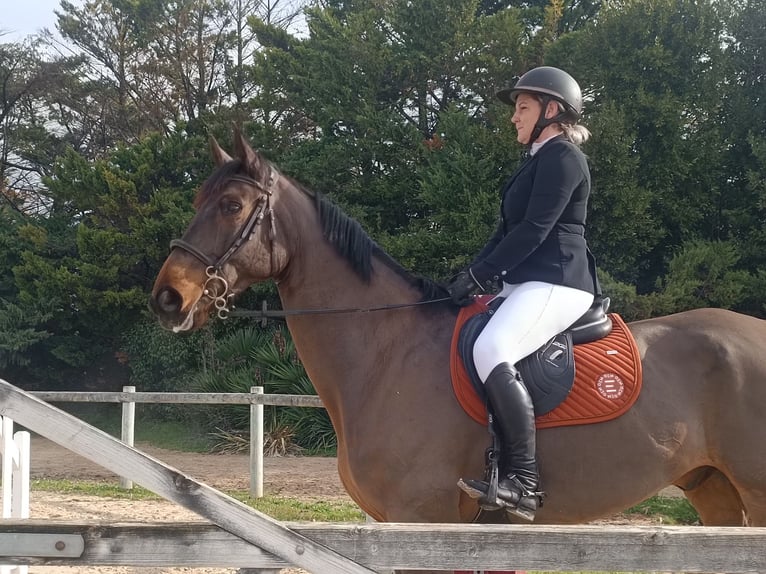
{"x":264,"y":313}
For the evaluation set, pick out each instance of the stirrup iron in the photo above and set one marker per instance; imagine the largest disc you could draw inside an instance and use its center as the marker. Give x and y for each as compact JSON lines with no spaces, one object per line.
{"x":486,"y":491}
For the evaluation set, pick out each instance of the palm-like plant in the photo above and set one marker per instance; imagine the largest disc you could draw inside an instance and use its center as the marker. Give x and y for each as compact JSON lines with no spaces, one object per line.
{"x":265,"y":357}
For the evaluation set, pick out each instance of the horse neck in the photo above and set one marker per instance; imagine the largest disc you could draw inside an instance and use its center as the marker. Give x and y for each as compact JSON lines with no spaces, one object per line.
{"x":337,"y":346}
{"x":347,"y":356}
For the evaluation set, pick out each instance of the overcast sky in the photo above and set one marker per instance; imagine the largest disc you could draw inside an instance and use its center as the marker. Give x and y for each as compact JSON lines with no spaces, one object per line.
{"x":24,"y":17}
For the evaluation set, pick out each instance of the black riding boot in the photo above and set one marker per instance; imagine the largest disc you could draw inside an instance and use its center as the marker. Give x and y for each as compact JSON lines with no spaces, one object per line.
{"x":515,"y":416}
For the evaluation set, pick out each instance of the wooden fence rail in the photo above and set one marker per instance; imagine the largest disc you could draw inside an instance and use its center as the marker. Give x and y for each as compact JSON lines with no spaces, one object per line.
{"x":404,"y":546}
{"x":178,"y":398}
{"x":228,"y":513}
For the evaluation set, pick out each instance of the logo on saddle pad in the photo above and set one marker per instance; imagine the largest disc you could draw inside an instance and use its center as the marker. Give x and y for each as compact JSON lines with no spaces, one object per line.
{"x":610,"y":386}
{"x":570,"y":384}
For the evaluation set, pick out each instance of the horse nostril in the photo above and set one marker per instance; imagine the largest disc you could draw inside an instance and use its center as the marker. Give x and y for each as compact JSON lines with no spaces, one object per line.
{"x":169,"y":300}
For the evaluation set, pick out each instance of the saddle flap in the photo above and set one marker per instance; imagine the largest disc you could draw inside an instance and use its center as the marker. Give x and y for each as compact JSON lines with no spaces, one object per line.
{"x":547,"y":373}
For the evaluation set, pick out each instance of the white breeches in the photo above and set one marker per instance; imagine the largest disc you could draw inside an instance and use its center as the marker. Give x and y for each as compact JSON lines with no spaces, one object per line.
{"x":531,"y":314}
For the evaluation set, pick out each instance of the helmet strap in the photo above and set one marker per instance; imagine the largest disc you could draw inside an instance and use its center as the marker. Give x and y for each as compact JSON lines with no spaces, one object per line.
{"x":542,"y":121}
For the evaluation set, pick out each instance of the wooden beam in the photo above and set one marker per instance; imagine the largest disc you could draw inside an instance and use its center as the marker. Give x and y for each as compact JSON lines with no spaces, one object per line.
{"x":421,"y":546}
{"x":228,"y":513}
{"x":179,"y":398}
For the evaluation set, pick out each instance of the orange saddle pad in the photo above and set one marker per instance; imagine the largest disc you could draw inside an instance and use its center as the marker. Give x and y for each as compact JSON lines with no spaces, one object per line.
{"x":607,"y":378}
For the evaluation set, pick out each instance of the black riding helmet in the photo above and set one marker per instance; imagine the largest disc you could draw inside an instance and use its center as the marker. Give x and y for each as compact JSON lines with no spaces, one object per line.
{"x":550,"y":83}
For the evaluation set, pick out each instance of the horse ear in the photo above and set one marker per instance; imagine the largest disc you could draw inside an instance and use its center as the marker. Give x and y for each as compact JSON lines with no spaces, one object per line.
{"x":250,"y":158}
{"x":220,"y":157}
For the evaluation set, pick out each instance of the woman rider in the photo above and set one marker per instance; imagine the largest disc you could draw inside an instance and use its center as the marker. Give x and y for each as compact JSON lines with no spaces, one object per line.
{"x":540,"y":257}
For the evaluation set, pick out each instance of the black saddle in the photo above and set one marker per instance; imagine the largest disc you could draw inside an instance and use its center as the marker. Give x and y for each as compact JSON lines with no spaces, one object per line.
{"x":548,"y":373}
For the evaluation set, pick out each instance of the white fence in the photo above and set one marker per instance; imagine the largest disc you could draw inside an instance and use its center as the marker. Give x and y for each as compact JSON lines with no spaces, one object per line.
{"x":14,"y":451}
{"x":129,"y":397}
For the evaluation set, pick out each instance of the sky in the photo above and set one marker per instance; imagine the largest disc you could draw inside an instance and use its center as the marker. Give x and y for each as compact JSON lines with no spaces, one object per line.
{"x":20,"y":18}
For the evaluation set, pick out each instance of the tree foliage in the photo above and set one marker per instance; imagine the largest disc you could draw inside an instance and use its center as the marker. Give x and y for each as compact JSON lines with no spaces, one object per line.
{"x":386,"y":106}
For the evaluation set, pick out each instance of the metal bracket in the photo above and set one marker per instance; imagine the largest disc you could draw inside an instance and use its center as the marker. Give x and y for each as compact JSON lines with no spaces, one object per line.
{"x":31,"y":545}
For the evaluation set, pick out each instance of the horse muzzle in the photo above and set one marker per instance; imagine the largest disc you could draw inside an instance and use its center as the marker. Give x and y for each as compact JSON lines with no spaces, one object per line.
{"x":167,"y":304}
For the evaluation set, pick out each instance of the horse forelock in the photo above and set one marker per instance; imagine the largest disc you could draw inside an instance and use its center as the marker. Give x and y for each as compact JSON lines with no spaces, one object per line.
{"x":219,"y":179}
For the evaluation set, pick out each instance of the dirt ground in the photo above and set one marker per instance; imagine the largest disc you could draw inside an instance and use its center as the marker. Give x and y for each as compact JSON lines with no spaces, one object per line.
{"x":306,"y":478}
{"x":297,"y":477}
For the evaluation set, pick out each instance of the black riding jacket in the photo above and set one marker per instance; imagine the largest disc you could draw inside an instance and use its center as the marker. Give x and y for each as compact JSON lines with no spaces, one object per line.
{"x":541,"y":235}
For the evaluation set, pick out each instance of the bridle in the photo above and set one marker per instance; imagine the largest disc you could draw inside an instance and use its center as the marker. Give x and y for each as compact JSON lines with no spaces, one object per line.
{"x":216,"y":286}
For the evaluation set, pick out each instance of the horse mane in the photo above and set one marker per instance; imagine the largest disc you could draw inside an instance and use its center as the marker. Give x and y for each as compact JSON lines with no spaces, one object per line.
{"x":343,"y":232}
{"x":354,"y":244}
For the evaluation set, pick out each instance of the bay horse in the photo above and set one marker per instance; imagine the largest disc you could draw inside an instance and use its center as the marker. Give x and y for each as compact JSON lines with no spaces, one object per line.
{"x":384,"y":377}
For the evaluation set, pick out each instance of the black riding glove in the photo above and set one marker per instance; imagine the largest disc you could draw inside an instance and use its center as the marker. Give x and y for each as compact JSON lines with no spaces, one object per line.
{"x":461,"y":286}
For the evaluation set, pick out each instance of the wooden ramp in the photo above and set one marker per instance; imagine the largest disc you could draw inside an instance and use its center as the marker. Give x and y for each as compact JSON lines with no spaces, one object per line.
{"x":231,"y":515}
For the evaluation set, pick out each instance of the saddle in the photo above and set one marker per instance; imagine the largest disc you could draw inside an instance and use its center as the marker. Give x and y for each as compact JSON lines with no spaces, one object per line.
{"x":589,"y":373}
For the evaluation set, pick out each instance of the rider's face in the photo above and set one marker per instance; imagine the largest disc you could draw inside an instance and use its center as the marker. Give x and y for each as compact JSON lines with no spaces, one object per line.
{"x":525,"y":117}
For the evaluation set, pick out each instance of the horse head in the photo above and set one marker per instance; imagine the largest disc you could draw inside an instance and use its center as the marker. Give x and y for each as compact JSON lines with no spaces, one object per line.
{"x":229,"y":245}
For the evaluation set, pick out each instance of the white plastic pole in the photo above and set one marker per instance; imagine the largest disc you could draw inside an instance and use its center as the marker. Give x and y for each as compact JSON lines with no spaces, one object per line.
{"x":128,"y":429}
{"x":256,"y":446}
{"x":15,"y":453}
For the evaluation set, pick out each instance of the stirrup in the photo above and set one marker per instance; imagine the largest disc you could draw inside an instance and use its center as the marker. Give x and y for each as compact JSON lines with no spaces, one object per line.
{"x":479,"y":490}
{"x":523,"y":502}
{"x":524,"y":506}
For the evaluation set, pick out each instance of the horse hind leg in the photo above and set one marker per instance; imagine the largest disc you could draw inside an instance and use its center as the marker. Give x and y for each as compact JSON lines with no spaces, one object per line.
{"x":713,"y":496}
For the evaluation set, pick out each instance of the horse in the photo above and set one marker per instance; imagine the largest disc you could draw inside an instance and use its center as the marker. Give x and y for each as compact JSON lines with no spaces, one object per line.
{"x":377,"y":348}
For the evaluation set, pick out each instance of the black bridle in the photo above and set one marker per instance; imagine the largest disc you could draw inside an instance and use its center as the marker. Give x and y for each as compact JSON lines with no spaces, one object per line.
{"x":216,"y":286}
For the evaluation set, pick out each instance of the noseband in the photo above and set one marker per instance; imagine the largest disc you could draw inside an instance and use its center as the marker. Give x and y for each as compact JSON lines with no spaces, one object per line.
{"x":216,"y":286}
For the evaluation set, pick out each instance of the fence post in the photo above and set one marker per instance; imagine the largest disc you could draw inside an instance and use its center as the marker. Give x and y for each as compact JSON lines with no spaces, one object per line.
{"x":7,"y":449}
{"x":128,"y":429}
{"x":256,"y":446}
{"x":14,"y":449}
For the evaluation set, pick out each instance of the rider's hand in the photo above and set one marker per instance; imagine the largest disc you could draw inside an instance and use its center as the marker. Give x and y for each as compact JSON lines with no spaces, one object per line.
{"x":461,"y":287}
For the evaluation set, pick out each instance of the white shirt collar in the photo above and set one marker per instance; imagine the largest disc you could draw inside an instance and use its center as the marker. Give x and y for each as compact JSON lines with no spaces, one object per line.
{"x":538,"y":144}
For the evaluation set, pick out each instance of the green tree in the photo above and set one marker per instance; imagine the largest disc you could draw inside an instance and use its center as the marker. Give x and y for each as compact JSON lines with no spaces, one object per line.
{"x":743,"y":206}
{"x":19,"y":330}
{"x":92,"y":258}
{"x":656,"y":66}
{"x":458,"y":178}
{"x":623,"y":225}
{"x":703,"y":274}
{"x":366,"y":93}
{"x":27,"y":144}
{"x":112,"y":99}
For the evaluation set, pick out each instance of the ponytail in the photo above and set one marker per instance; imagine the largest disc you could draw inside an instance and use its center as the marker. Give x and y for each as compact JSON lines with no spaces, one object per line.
{"x":575,"y":133}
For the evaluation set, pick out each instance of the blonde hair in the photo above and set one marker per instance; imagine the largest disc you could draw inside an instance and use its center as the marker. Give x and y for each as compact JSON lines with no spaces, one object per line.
{"x":575,"y":133}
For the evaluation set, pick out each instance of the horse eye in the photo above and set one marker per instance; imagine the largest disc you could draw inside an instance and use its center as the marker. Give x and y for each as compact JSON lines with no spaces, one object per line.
{"x":229,"y":207}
